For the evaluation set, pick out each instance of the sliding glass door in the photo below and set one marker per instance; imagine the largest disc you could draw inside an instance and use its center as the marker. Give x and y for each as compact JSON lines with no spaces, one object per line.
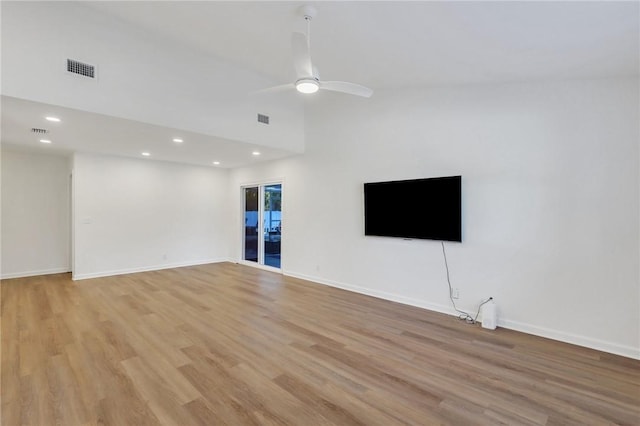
{"x":272,"y":219}
{"x":262,"y":224}
{"x":251,"y":220}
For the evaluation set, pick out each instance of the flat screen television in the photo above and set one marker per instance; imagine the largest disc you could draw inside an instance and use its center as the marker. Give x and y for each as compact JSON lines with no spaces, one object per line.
{"x":429,"y":208}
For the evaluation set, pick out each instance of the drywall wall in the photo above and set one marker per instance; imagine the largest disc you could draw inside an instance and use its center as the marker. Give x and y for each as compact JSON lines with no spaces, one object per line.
{"x":35,"y":213}
{"x":134,"y":215}
{"x":550,"y":202}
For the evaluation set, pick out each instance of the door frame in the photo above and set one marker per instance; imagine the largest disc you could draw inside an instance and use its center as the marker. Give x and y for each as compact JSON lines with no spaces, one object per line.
{"x":260,"y":184}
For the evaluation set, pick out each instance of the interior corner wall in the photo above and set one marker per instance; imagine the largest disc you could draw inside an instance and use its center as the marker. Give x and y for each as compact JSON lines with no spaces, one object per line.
{"x":134,"y":215}
{"x":550,"y":202}
{"x":35,"y":235}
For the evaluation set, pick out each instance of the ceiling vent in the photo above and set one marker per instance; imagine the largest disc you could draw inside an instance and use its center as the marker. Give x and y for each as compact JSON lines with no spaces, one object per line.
{"x":263,"y":119}
{"x":39,"y":131}
{"x":81,"y":68}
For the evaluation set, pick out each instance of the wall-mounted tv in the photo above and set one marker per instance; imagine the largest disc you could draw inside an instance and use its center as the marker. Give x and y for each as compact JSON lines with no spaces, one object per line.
{"x":429,"y":208}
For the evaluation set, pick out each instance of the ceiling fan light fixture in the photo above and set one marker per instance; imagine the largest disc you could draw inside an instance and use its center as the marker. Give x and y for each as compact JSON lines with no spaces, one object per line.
{"x":308,"y":79}
{"x":307,"y":85}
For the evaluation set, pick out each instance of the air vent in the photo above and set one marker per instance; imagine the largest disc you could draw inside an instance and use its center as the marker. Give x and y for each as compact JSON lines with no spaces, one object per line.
{"x":80,"y":68}
{"x":39,"y":131}
{"x":263,"y":119}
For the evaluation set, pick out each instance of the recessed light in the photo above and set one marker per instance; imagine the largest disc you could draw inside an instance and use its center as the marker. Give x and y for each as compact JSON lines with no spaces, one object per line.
{"x":177,"y":140}
{"x":146,"y":154}
{"x":255,"y":153}
{"x":216,"y":163}
{"x":54,"y":119}
{"x":45,"y":141}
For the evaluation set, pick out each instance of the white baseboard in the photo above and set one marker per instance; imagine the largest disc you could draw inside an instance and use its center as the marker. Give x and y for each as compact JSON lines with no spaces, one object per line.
{"x":36,"y":273}
{"x":77,"y":277}
{"x":575,"y":339}
{"x":588,"y":342}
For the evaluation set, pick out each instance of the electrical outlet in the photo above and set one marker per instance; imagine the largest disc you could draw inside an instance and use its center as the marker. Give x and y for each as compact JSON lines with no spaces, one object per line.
{"x":455,"y":293}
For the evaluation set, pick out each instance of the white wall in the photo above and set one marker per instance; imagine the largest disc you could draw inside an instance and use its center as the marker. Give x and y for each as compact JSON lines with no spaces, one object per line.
{"x":551,"y":195}
{"x":35,"y":236}
{"x":133,"y":215}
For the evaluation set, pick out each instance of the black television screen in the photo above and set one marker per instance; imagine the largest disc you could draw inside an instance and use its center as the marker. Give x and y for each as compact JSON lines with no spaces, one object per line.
{"x":429,"y":208}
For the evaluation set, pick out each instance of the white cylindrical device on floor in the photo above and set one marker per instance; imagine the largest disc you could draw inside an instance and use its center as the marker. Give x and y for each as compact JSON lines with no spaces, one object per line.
{"x":489,"y":315}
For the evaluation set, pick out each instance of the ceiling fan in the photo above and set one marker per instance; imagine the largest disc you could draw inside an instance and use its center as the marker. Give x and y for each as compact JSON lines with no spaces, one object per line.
{"x":307,"y":76}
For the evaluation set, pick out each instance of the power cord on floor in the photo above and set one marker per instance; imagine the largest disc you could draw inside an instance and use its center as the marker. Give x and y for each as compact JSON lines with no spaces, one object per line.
{"x":462,"y":314}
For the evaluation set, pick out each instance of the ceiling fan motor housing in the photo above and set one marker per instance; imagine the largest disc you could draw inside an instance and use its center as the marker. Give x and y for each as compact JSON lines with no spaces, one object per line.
{"x":308,"y":12}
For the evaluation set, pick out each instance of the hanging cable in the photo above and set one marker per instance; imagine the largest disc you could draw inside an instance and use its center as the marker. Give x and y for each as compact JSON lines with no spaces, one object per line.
{"x":462,"y":314}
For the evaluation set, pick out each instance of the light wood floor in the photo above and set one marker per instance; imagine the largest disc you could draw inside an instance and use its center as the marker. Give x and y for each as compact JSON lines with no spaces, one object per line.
{"x":230,"y":344}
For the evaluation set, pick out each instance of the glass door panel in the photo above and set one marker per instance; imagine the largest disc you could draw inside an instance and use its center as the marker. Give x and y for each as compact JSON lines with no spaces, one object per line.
{"x":272,"y":224}
{"x":251,"y":220}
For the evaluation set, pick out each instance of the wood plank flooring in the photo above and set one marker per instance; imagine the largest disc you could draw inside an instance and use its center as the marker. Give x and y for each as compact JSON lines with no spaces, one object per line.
{"x":226,"y":344}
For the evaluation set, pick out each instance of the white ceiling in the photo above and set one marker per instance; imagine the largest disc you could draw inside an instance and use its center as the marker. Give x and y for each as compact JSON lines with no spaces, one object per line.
{"x":82,"y":131}
{"x":391,"y":44}
{"x":388,"y":45}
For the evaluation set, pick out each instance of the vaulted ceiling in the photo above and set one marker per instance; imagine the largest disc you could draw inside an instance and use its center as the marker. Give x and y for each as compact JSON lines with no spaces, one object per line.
{"x":189,"y":69}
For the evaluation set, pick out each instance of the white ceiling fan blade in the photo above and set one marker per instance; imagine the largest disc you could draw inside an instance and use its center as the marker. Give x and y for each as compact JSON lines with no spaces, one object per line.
{"x":275,"y":89}
{"x":301,"y":55}
{"x":345,"y":87}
